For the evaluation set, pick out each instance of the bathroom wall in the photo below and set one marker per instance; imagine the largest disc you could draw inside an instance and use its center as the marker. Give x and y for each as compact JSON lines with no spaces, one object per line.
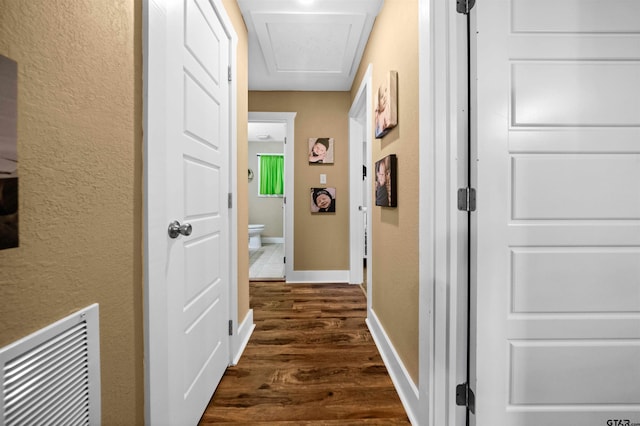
{"x":268,"y":211}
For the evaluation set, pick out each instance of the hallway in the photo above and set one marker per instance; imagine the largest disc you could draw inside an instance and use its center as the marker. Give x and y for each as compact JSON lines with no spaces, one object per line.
{"x":310,"y":360}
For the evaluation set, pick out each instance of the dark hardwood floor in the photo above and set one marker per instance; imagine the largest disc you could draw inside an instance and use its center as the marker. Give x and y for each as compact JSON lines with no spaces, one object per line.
{"x":310,"y":361}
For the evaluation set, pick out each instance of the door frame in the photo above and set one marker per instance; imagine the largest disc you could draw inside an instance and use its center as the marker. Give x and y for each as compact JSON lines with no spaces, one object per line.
{"x":359,"y":132}
{"x":442,"y":228}
{"x":288,"y":118}
{"x":155,"y":325}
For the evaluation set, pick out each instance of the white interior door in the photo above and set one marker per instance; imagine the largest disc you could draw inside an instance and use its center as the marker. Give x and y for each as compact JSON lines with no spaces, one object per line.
{"x":188,"y":300}
{"x":557,"y":225}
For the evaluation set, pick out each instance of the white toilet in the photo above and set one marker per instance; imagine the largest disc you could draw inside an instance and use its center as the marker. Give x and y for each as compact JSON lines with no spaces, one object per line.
{"x":255,"y":239}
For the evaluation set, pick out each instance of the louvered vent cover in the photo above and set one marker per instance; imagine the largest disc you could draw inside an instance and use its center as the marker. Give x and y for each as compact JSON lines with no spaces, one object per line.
{"x":52,"y":377}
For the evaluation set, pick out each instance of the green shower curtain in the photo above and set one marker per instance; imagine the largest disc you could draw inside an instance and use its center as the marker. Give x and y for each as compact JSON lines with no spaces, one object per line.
{"x":271,"y":174}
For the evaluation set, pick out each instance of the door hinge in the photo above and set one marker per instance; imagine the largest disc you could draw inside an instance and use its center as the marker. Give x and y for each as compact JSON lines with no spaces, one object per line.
{"x":230,"y":327}
{"x":285,"y":141}
{"x":230,"y":200}
{"x":284,"y":259}
{"x":465,"y":397}
{"x":465,"y":6}
{"x":467,"y":199}
{"x":229,"y":72}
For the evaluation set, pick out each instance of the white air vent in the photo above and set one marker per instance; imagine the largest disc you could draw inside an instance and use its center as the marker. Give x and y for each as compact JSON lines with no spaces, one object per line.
{"x":52,"y":377}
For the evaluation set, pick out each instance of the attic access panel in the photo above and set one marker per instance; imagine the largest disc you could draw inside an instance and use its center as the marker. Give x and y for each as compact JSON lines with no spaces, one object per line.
{"x":317,"y":44}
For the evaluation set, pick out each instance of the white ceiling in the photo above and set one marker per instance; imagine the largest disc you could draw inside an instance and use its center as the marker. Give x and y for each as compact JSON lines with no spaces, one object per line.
{"x":267,"y":132}
{"x":306,"y":44}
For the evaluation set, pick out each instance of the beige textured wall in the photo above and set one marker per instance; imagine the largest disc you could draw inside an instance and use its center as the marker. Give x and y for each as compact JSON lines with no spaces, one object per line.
{"x":320,"y":241}
{"x":80,"y":150}
{"x":242,"y":82}
{"x":393,"y":45}
{"x":268,"y":211}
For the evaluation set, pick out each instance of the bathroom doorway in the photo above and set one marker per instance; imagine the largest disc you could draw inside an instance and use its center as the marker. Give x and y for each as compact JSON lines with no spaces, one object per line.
{"x":267,"y":210}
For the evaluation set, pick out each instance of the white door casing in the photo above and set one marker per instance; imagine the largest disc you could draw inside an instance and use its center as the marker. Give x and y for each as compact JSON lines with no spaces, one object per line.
{"x":557,"y":227}
{"x":288,"y":118}
{"x":188,"y":132}
{"x":359,"y":124}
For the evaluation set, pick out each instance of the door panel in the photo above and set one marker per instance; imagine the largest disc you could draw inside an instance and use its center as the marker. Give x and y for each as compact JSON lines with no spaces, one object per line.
{"x":557,"y":226}
{"x":553,"y":16}
{"x":197,"y":177}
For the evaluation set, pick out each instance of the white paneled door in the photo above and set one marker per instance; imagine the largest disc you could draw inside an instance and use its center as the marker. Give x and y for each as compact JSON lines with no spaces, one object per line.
{"x":557,"y":226}
{"x":188,"y":329}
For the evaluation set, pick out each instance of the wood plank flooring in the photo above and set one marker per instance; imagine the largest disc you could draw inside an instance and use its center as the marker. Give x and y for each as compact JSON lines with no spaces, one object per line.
{"x":310,"y":361}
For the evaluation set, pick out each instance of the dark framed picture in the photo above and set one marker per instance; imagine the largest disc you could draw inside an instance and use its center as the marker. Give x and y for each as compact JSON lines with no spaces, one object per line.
{"x":9,"y":237}
{"x":323,"y":200}
{"x":385,"y":182}
{"x":387,"y":105}
{"x":320,"y":150}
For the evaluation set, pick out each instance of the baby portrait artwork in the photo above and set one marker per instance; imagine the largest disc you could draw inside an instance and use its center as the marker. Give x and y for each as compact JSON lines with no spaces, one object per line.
{"x":320,"y":150}
{"x":323,"y":200}
{"x":386,"y":194}
{"x":387,"y":105}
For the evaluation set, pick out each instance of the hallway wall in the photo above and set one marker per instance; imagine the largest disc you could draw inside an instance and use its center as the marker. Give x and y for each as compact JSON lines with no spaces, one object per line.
{"x":80,"y":165}
{"x":393,"y":46}
{"x":320,"y":241}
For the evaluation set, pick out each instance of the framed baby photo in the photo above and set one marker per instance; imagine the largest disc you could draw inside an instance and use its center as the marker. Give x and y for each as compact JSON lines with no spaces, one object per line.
{"x":386,"y":105}
{"x":385,"y":182}
{"x":320,"y":150}
{"x":323,"y":200}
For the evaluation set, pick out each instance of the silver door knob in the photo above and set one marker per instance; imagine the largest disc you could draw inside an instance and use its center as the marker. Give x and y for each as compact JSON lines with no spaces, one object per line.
{"x":175,"y":229}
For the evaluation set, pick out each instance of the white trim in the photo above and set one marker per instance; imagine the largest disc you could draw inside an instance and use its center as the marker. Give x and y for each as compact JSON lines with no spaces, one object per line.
{"x":317,"y":277}
{"x":233,"y":170}
{"x":442,"y":240}
{"x":241,"y":337}
{"x":273,"y":240}
{"x":407,"y":390}
{"x":426,"y":237}
{"x":154,"y":24}
{"x":289,"y":119}
{"x":359,"y":132}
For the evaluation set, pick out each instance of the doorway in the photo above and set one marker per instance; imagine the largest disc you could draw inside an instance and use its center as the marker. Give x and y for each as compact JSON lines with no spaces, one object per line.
{"x":266,"y":200}
{"x":359,"y":168}
{"x":271,"y":133}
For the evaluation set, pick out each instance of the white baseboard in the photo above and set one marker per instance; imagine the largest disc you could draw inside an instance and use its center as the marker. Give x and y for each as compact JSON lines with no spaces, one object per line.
{"x":305,"y":277}
{"x":241,"y":338}
{"x":407,"y":390}
{"x":272,"y":240}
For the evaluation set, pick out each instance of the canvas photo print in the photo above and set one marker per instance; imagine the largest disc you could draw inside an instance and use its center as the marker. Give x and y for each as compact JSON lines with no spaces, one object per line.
{"x":320,"y":150}
{"x":386,"y":107}
{"x":385,"y":182}
{"x":8,"y":153}
{"x":323,"y":200}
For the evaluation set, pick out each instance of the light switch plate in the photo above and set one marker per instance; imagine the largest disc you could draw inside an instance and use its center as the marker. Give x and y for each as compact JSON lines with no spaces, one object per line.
{"x":323,"y":178}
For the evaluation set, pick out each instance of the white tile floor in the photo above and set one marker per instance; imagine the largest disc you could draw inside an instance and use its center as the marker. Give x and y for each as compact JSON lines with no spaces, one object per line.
{"x":267,"y":262}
